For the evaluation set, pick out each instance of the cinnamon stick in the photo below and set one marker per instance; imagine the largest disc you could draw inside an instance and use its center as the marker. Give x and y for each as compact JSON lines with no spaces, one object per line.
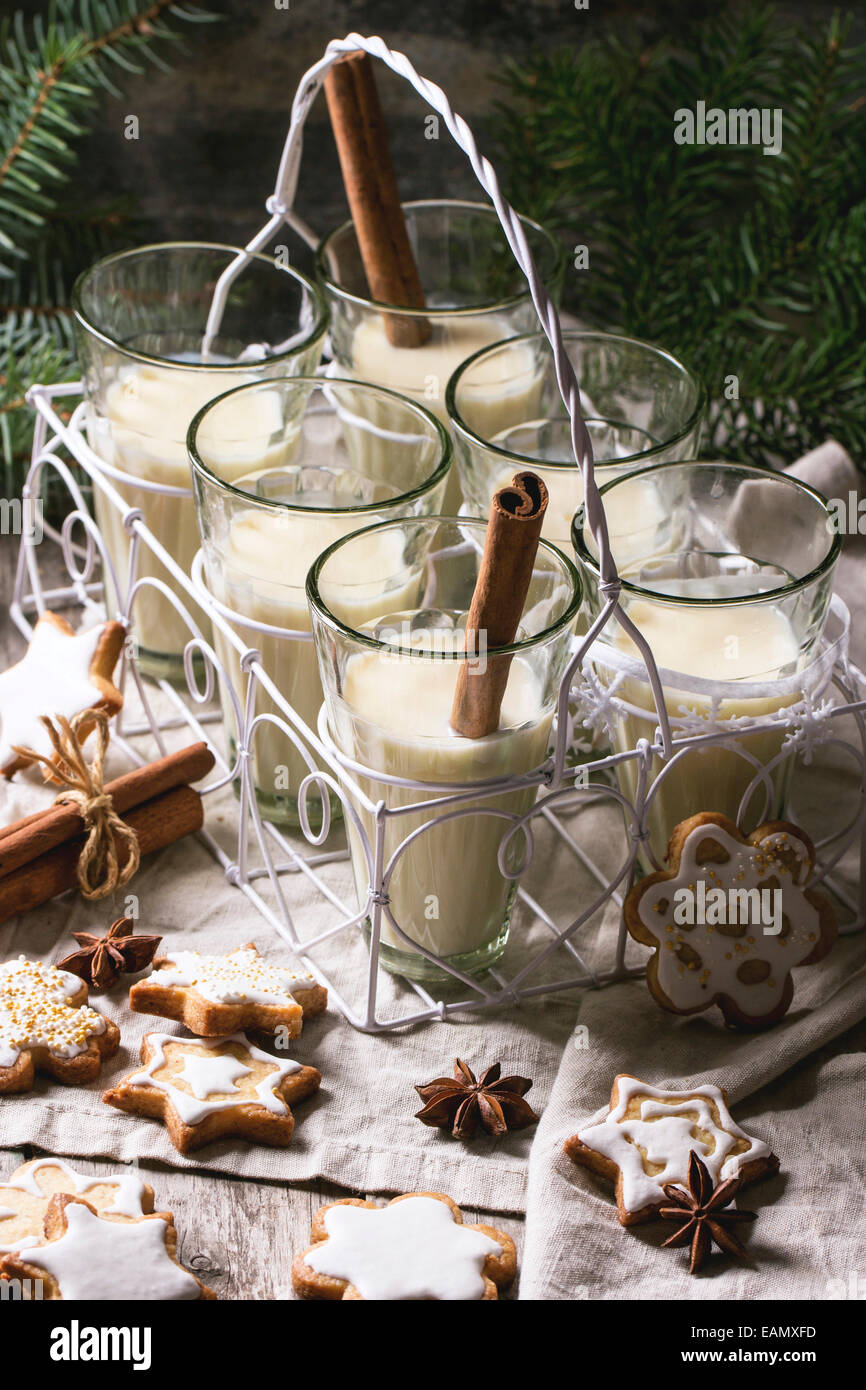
{"x":157,"y":823}
{"x":374,"y":199}
{"x":513,"y":532}
{"x":26,"y":840}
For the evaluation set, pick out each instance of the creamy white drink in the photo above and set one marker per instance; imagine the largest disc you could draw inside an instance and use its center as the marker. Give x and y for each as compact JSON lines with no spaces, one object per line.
{"x":565,"y":491}
{"x":261,"y":575}
{"x":752,"y":643}
{"x":142,"y":431}
{"x":389,"y":694}
{"x":638,"y":404}
{"x":262,"y":532}
{"x":422,"y":373}
{"x":728,"y":578}
{"x":447,"y":892}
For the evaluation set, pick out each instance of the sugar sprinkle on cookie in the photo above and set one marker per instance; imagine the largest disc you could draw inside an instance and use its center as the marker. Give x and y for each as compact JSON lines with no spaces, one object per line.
{"x":214,"y":995}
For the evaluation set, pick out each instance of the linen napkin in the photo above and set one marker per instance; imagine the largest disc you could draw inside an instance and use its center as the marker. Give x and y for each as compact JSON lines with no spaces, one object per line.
{"x":798,"y":1086}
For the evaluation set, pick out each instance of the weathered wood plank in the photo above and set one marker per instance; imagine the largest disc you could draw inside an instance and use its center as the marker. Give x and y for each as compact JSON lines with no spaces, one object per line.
{"x":240,"y":1236}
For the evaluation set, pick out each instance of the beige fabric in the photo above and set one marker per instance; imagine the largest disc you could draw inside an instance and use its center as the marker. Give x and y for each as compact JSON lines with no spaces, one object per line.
{"x":810,"y":1228}
{"x":831,"y":471}
{"x":799,"y":1086}
{"x":359,"y":1131}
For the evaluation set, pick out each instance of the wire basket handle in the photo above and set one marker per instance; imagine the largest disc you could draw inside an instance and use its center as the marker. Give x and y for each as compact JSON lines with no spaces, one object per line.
{"x":281,"y":208}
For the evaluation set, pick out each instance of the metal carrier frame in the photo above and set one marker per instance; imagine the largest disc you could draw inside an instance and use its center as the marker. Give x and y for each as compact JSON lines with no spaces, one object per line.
{"x":563,"y":782}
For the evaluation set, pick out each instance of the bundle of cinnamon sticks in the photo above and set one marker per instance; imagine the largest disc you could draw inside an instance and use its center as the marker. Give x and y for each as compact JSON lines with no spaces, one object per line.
{"x":39,"y":854}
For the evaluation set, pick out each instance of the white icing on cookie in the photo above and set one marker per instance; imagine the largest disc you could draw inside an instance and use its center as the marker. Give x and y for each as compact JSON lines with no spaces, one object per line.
{"x":52,"y":678}
{"x":112,"y":1260}
{"x":193,"y":1110}
{"x":665,"y":1132}
{"x":34,"y":1011}
{"x":208,"y":1076}
{"x":409,"y":1250}
{"x":689,"y":984}
{"x":241,"y":977}
{"x":130,"y":1186}
{"x":28,"y":1243}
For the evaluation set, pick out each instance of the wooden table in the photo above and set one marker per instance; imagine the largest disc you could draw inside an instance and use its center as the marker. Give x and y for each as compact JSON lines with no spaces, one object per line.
{"x":237,"y":1235}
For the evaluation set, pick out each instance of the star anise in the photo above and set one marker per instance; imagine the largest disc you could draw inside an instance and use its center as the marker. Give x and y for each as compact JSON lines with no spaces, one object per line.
{"x":701,"y":1216}
{"x":102,"y":959}
{"x":462,"y":1102}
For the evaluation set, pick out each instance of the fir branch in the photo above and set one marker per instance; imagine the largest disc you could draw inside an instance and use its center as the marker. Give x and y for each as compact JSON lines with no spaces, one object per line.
{"x":52,"y":78}
{"x":52,"y":72}
{"x":741,"y":264}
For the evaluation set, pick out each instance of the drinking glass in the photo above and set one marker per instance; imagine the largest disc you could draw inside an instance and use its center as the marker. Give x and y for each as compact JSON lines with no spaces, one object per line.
{"x":474,"y":290}
{"x":389,"y":685}
{"x":640,"y":405}
{"x":330,"y":457}
{"x":140,"y":319}
{"x":727,"y":570}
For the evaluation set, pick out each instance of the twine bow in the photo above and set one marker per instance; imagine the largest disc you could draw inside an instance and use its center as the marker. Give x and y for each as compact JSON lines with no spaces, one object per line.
{"x":99,"y":870}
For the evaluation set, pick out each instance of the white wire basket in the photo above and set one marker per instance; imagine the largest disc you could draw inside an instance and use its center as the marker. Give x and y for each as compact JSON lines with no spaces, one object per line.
{"x":266,"y":863}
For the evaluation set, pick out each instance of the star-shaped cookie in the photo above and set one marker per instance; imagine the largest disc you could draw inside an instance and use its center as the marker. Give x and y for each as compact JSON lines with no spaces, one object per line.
{"x":62,"y":672}
{"x":87,"y":1257}
{"x":644,"y":1139}
{"x":215,"y":1088}
{"x":24,"y":1198}
{"x":46,"y":1025}
{"x":730,"y":918}
{"x":416,"y":1247}
{"x":216,"y":995}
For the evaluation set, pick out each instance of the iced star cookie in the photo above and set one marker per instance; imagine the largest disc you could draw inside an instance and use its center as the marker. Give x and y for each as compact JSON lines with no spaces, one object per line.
{"x":216,"y":1088}
{"x":216,"y":995}
{"x":25,"y":1196}
{"x":46,"y":1025}
{"x":416,"y":1247}
{"x":87,"y":1257}
{"x":644,"y":1140}
{"x":62,"y":672}
{"x":730,"y":918}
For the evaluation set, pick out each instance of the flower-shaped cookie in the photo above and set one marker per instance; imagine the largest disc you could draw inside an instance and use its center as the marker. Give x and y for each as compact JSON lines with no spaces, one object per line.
{"x":215,"y":1088}
{"x":730,"y":918}
{"x":643,"y":1142}
{"x":24,"y":1198}
{"x":62,"y":672}
{"x":416,"y":1247}
{"x":216,"y":995}
{"x":87,"y":1257}
{"x":47,"y":1026}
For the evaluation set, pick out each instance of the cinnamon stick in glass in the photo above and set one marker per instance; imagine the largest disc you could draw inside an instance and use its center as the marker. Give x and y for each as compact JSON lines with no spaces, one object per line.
{"x":26,"y":840}
{"x":513,"y":533}
{"x":157,"y":823}
{"x":374,"y":199}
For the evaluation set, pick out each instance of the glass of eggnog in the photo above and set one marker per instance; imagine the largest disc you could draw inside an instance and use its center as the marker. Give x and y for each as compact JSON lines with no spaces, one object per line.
{"x":640,"y":406}
{"x":448,"y":805}
{"x":325,"y":457}
{"x":140,"y":321}
{"x":475,"y":295}
{"x":727,"y":571}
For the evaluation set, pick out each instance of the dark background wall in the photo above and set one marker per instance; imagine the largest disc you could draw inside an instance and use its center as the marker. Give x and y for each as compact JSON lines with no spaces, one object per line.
{"x":211,"y":131}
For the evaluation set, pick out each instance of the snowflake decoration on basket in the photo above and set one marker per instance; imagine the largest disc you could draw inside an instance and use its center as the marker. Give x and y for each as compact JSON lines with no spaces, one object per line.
{"x":689,"y":722}
{"x":597,"y":705}
{"x":809,"y":725}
